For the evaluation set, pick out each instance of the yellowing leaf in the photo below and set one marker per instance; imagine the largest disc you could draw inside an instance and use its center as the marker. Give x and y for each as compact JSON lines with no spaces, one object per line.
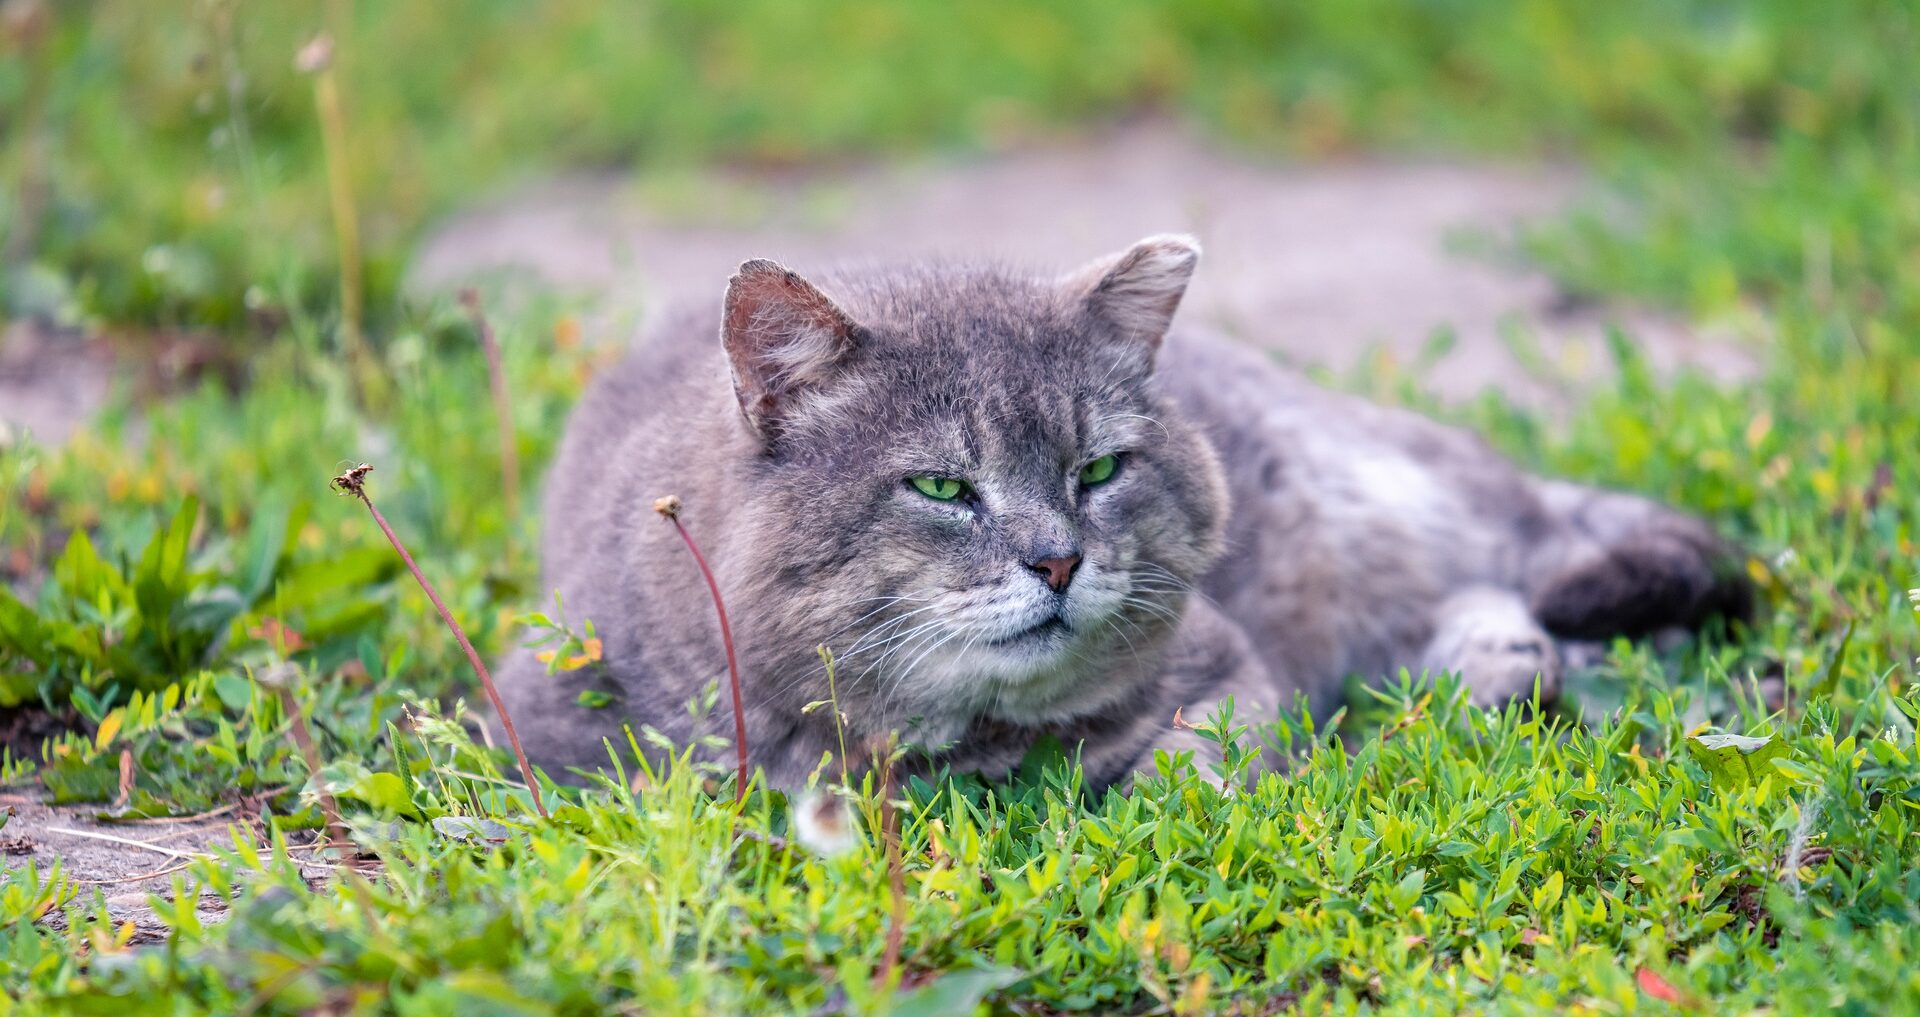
{"x":1736,"y":760}
{"x":1549,"y":892}
{"x":109,"y":726}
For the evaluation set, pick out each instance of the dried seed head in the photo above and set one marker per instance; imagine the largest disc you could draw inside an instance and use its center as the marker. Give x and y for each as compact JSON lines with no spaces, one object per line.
{"x":668,"y":507}
{"x":353,"y":481}
{"x":24,"y":20}
{"x":315,"y":56}
{"x":823,"y":823}
{"x":277,"y":676}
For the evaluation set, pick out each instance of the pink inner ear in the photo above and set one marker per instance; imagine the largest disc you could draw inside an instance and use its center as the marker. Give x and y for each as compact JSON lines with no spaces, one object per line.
{"x":781,"y":334}
{"x":766,"y":302}
{"x":1138,"y":291}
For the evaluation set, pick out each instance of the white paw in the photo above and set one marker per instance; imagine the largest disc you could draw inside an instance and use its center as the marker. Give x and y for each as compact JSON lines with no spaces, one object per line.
{"x":1500,"y":664}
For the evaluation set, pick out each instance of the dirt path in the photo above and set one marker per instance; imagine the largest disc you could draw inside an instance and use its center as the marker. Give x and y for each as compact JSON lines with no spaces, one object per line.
{"x":1317,"y":263}
{"x":120,"y":862}
{"x":50,"y":383}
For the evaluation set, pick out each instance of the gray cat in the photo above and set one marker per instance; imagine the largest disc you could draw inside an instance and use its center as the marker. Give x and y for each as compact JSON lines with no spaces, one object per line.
{"x":1013,"y":506}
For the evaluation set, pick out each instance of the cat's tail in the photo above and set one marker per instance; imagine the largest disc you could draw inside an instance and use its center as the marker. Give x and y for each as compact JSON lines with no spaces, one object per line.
{"x":1621,"y":565}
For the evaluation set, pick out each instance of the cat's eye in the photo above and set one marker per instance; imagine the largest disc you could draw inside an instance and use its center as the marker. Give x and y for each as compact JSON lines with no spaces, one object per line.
{"x":938,"y":488}
{"x":1100,"y":470}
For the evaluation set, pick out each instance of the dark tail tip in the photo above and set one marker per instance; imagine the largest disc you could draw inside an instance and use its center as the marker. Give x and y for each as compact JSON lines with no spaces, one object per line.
{"x":1643,"y":584}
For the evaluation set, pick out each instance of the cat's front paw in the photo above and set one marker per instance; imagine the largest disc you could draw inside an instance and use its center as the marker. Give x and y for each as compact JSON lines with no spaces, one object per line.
{"x":1498,"y":650}
{"x":1504,"y":667}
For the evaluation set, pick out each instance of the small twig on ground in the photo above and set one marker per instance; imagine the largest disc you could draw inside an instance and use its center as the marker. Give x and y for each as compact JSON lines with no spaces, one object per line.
{"x":137,"y":877}
{"x":669,"y":508}
{"x":354,"y":482}
{"x":502,"y":407}
{"x":67,"y":831}
{"x":176,"y":820}
{"x":182,"y":833}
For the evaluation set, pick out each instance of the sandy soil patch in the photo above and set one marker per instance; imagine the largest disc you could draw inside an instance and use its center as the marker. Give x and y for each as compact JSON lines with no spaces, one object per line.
{"x":1319,"y":263}
{"x":123,"y":863}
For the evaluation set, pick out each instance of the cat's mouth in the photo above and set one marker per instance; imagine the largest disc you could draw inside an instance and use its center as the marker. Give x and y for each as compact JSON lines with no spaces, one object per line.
{"x":1046,"y":630}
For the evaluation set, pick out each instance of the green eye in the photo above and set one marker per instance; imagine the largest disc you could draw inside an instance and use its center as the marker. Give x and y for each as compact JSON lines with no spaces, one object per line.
{"x":1100,"y":470}
{"x":938,"y":488}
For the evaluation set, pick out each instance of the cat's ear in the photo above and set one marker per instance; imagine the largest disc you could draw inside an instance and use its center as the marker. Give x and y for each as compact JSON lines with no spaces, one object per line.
{"x":1134,"y":293}
{"x":781,"y":335}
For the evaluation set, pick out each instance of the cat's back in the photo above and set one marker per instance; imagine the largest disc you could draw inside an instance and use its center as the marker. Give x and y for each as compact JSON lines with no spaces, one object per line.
{"x":658,"y":373}
{"x":1274,"y":426}
{"x":650,"y":407}
{"x":1348,"y":518}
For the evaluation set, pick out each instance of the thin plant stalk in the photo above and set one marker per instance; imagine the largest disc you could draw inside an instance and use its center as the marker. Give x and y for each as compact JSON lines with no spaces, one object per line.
{"x":502,"y":406}
{"x":353,"y":482}
{"x":31,"y":26}
{"x":237,"y":128}
{"x":896,"y":878}
{"x":833,"y":701}
{"x":336,"y":829}
{"x":669,"y":508}
{"x":316,"y":58}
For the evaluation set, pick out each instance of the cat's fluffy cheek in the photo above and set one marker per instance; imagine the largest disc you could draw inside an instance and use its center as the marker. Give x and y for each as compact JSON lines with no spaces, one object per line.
{"x":1095,"y":598}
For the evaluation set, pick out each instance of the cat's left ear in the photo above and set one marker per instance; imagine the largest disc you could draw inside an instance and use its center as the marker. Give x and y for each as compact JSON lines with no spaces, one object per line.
{"x":1134,"y":293}
{"x":782,"y":337}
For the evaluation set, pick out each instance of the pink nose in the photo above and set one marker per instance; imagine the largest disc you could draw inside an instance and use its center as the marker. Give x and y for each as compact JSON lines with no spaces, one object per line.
{"x":1058,"y":571}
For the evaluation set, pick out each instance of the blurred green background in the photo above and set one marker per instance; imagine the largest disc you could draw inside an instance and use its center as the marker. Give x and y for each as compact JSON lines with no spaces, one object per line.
{"x":164,"y":167}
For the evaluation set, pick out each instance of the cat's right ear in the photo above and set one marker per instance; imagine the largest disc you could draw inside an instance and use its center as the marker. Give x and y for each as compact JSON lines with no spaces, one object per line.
{"x":781,"y":335}
{"x":1135,"y":293}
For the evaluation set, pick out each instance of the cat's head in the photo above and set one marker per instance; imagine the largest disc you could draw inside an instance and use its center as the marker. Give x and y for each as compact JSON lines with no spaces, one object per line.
{"x":964,"y":483}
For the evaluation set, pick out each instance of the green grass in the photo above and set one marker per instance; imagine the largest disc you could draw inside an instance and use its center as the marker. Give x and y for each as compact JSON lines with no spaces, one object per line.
{"x":1422,"y":857}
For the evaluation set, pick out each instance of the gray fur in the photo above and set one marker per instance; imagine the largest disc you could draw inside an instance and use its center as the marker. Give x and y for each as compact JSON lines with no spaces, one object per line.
{"x":1263,"y":537}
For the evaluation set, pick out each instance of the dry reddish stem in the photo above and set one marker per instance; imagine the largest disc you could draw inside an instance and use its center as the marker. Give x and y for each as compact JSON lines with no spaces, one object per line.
{"x":502,"y":408}
{"x":336,"y":830}
{"x":669,"y":508}
{"x":896,"y":879}
{"x":353,"y":482}
{"x":126,"y":779}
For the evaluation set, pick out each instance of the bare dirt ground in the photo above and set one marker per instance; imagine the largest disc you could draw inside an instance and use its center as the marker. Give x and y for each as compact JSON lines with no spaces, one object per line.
{"x":1320,"y":263}
{"x":123,"y":863}
{"x":50,"y":383}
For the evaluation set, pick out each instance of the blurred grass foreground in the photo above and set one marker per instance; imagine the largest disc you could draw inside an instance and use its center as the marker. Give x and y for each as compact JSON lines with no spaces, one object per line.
{"x":226,"y":195}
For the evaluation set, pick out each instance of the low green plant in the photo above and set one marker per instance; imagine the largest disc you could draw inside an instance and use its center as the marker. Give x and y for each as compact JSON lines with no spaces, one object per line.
{"x":1457,"y":860}
{"x":102,"y":630}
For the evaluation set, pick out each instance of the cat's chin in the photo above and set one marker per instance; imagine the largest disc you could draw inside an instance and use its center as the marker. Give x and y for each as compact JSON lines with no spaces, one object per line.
{"x":1045,"y":636}
{"x":1049,"y":673}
